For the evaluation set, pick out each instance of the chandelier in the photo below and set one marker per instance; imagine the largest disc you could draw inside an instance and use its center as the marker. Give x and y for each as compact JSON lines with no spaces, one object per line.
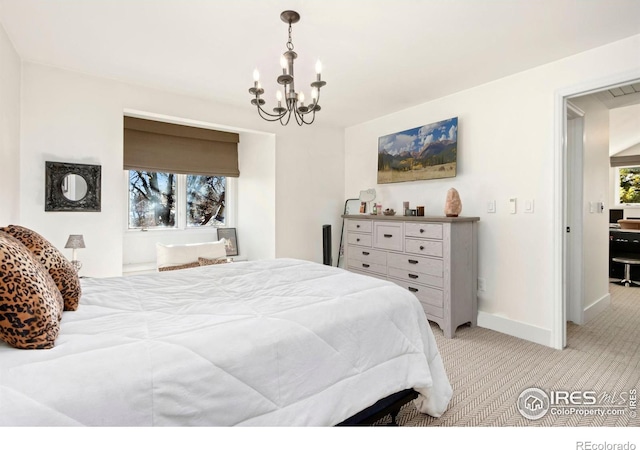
{"x":293,"y":101}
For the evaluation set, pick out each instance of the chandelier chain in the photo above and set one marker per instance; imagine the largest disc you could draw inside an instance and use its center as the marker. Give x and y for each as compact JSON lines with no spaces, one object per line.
{"x":290,"y":42}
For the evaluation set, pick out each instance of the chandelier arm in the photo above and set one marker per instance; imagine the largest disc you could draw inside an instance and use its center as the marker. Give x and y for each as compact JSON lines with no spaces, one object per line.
{"x":288,"y":118}
{"x":263,"y":112}
{"x":313,"y":117}
{"x":272,"y":118}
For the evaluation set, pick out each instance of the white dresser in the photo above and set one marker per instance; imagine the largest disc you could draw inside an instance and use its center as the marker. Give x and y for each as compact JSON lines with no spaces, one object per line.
{"x":436,"y":258}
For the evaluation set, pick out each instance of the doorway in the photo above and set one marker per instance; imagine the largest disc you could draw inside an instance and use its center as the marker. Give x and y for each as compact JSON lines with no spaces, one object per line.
{"x":571,"y":199}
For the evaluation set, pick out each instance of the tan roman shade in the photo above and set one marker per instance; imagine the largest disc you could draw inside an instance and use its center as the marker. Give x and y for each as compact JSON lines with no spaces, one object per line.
{"x":166,"y":147}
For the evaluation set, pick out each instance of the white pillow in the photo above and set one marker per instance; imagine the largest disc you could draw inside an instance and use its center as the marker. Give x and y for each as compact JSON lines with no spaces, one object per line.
{"x":176,"y":255}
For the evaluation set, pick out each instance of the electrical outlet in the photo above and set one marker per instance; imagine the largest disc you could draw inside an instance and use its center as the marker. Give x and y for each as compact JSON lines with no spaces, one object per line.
{"x":481,"y":285}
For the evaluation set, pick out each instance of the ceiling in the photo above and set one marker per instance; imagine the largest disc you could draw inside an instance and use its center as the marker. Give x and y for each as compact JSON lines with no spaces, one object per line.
{"x":379,"y":56}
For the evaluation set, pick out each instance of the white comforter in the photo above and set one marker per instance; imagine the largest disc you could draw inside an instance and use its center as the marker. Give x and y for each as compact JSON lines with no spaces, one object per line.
{"x":264,"y":343}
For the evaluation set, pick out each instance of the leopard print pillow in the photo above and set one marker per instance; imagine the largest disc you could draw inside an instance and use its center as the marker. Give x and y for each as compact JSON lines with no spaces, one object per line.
{"x":30,"y":302}
{"x":59,"y":267}
{"x":211,"y":261}
{"x":178,"y":267}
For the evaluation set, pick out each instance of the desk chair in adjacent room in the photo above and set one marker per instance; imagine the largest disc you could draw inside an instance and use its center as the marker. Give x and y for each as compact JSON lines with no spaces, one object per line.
{"x":628,"y":262}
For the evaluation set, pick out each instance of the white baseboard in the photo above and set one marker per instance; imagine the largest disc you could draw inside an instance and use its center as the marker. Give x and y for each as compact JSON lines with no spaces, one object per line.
{"x":515,"y":328}
{"x":597,"y":307}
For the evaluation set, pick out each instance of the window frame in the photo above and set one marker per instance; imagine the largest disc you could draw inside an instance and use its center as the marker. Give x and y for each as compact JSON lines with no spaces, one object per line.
{"x":617,"y":187}
{"x":181,"y":208}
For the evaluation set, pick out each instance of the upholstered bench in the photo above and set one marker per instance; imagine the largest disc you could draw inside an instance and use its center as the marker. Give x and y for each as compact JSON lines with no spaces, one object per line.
{"x":185,"y":256}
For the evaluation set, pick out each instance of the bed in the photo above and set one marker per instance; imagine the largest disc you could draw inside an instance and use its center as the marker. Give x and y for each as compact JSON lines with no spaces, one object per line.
{"x":279,"y":342}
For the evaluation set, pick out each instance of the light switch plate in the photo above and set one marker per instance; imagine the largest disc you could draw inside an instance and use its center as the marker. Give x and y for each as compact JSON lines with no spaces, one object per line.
{"x":491,"y":206}
{"x":528,"y":206}
{"x":512,"y":205}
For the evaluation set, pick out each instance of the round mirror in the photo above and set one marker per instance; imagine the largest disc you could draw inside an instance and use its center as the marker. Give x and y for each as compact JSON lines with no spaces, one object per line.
{"x":74,"y":187}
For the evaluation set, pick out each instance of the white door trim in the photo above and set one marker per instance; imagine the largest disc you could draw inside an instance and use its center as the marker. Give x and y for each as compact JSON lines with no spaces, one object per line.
{"x":558,"y":329}
{"x":574,"y":241}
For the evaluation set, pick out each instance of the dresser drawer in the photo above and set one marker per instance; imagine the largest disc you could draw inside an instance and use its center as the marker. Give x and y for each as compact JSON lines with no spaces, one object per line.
{"x":366,"y":266}
{"x":426,"y":295}
{"x":369,"y":274}
{"x":367,"y":255}
{"x":423,"y":230}
{"x":423,"y":247}
{"x":388,"y":236}
{"x":363,"y":226}
{"x":359,"y":239}
{"x":416,"y":277}
{"x":433,"y":311}
{"x":416,"y":264}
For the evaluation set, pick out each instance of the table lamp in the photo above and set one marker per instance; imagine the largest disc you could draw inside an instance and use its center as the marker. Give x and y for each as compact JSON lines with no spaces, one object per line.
{"x":75,"y":242}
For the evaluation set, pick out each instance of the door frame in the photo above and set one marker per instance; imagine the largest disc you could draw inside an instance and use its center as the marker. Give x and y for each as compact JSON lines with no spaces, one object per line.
{"x":574,"y":197}
{"x":561,"y":166}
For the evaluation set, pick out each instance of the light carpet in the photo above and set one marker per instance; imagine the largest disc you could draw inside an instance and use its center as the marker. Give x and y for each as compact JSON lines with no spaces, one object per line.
{"x":488,"y":370}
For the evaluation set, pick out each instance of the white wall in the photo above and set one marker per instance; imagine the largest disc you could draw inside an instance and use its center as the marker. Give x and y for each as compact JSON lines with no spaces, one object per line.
{"x":624,"y":123}
{"x":256,"y":217}
{"x":595,"y":224}
{"x":624,"y":140}
{"x":10,"y":72}
{"x":310,"y":181}
{"x":505,"y":149}
{"x":72,"y":117}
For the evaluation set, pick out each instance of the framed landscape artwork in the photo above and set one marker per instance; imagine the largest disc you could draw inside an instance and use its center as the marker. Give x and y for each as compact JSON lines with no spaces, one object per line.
{"x":423,"y":153}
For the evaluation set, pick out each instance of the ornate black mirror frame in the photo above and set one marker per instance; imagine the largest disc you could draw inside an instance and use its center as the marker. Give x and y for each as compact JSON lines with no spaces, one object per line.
{"x":54,"y":177}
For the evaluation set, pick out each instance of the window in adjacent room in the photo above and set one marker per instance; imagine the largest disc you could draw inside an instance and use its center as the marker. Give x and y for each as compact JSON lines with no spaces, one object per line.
{"x":629,"y":185}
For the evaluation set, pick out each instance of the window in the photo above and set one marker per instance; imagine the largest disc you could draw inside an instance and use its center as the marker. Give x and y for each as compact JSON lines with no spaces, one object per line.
{"x":167,"y":200}
{"x":629,"y":184}
{"x":205,"y":200}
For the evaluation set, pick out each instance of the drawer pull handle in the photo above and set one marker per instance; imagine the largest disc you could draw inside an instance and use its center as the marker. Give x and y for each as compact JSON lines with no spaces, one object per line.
{"x":421,"y":230}
{"x":422,"y":247}
{"x":357,"y":239}
{"x":365,"y":253}
{"x":413,"y":261}
{"x":411,"y":275}
{"x":388,"y":235}
{"x":365,"y":265}
{"x":412,"y":289}
{"x":357,"y":226}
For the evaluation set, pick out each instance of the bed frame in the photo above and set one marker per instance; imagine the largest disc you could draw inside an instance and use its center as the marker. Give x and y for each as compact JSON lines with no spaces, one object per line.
{"x":390,"y":405}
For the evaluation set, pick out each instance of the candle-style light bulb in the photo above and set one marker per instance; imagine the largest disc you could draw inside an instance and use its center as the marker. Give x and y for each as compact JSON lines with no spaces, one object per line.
{"x":284,"y":64}
{"x":318,"y":67}
{"x":301,"y":98}
{"x":279,"y":96}
{"x":314,"y":94}
{"x":256,"y":75}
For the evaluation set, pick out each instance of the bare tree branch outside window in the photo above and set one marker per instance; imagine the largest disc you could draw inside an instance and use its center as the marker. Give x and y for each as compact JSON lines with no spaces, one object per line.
{"x":152,"y":199}
{"x":205,"y":200}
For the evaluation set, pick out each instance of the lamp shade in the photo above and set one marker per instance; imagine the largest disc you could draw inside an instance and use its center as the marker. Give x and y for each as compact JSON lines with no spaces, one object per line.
{"x":75,"y":241}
